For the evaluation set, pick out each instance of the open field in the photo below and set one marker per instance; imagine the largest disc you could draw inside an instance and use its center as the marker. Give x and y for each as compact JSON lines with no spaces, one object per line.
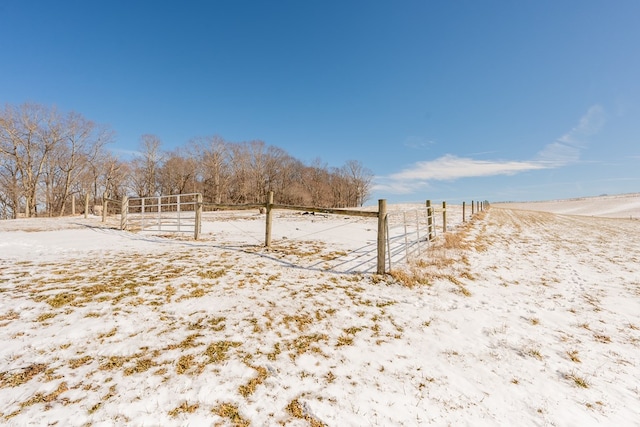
{"x":516,"y":318}
{"x":615,"y":206}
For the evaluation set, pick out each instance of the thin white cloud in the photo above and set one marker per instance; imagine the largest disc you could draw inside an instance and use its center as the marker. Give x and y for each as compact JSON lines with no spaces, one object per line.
{"x":418,"y":143}
{"x":451,"y":167}
{"x":566,"y":149}
{"x":384,"y":185}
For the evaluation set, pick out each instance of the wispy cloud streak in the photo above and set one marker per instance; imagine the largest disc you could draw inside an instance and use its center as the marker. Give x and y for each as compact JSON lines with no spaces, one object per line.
{"x":566,"y":149}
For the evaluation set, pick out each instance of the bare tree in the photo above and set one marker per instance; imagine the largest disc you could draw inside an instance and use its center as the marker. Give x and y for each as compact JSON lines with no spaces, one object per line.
{"x":44,"y":153}
{"x":10,"y":192}
{"x":240,"y":177}
{"x":106,"y":174}
{"x":315,"y":179}
{"x":9,"y":187}
{"x":177,"y":174}
{"x":360,"y":179}
{"x":29,"y":134}
{"x":83,"y":143}
{"x":144,"y":173}
{"x":47,"y":157}
{"x":213,"y":171}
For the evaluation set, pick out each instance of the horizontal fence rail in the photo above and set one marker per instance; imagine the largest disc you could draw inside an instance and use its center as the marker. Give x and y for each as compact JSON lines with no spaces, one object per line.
{"x":401,"y":235}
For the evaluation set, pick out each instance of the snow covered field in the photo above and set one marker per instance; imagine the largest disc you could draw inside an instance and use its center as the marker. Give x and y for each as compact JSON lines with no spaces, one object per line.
{"x":616,"y":206}
{"x":515,"y":318}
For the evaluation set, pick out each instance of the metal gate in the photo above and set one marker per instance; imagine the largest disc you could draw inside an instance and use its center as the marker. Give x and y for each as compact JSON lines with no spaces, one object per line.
{"x":176,"y":213}
{"x":409,"y":234}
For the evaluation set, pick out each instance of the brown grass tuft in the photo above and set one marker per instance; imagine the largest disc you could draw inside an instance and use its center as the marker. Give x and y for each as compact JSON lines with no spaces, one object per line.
{"x":409,"y":279}
{"x":20,"y":378}
{"x":230,"y":411}
{"x":577,"y":380}
{"x":297,"y":411}
{"x":183,"y":408}
{"x":573,"y":356}
{"x":217,"y":351}
{"x":249,"y":388}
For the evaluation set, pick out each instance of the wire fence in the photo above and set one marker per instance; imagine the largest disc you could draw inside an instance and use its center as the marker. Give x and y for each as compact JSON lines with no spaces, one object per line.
{"x":342,"y":240}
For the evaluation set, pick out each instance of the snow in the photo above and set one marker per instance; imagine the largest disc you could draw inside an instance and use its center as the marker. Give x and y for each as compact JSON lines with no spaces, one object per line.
{"x":616,"y":206}
{"x":527,"y":318}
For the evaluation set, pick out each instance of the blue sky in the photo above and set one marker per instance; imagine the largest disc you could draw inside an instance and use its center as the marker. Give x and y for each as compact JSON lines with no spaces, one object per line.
{"x":446,"y":100}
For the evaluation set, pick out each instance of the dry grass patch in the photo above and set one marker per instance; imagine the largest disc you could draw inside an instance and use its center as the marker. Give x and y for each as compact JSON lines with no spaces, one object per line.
{"x":457,"y":240}
{"x":113,"y":362}
{"x":231,"y":412}
{"x":194,"y":293}
{"x":297,"y":410}
{"x":183,"y":408}
{"x":188,"y":342}
{"x":213,"y":324}
{"x":141,"y":365}
{"x":302,"y":321}
{"x":334,"y":255}
{"x":248,"y":389}
{"x":274,"y":354}
{"x":45,"y":398}
{"x":76,"y":363}
{"x":462,"y":290}
{"x":10,"y":315}
{"x":108,"y":334}
{"x":111,"y":393}
{"x":605,"y":339}
{"x":533,"y":352}
{"x":573,"y":356}
{"x":185,"y":364}
{"x":305,"y":343}
{"x":217,"y":351}
{"x":410,"y":278}
{"x":347,"y":336}
{"x":19,"y":378}
{"x":212,"y":274}
{"x":61,"y":299}
{"x":45,"y":316}
{"x":301,"y":249}
{"x":577,"y":380}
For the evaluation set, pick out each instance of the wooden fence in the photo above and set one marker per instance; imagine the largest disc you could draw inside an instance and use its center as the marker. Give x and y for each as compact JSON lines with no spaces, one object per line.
{"x":268,"y":207}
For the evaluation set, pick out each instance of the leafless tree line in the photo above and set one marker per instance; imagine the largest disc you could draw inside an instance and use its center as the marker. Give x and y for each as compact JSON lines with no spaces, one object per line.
{"x":48,"y":157}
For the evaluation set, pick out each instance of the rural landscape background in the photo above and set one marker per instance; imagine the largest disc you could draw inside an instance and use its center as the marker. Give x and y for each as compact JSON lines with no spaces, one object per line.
{"x":50,"y":158}
{"x":524,"y":313}
{"x":514,"y":317}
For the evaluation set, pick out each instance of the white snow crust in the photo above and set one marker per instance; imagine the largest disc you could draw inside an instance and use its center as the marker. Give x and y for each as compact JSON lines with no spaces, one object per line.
{"x":515,"y":317}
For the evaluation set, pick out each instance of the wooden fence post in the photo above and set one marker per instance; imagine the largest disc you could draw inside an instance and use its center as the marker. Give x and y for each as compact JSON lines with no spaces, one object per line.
{"x":124,"y":209}
{"x":430,"y":221}
{"x":105,"y":204}
{"x":472,"y":208}
{"x":198,"y":224}
{"x":86,"y":206}
{"x":382,"y":232}
{"x":463,"y":208}
{"x":444,"y":217}
{"x":269,"y":207}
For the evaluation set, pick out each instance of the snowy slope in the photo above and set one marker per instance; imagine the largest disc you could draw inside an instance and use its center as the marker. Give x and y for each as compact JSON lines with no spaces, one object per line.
{"x":517,"y":318}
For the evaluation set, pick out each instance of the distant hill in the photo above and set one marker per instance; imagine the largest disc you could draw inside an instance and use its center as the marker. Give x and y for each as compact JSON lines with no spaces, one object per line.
{"x":615,"y":206}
